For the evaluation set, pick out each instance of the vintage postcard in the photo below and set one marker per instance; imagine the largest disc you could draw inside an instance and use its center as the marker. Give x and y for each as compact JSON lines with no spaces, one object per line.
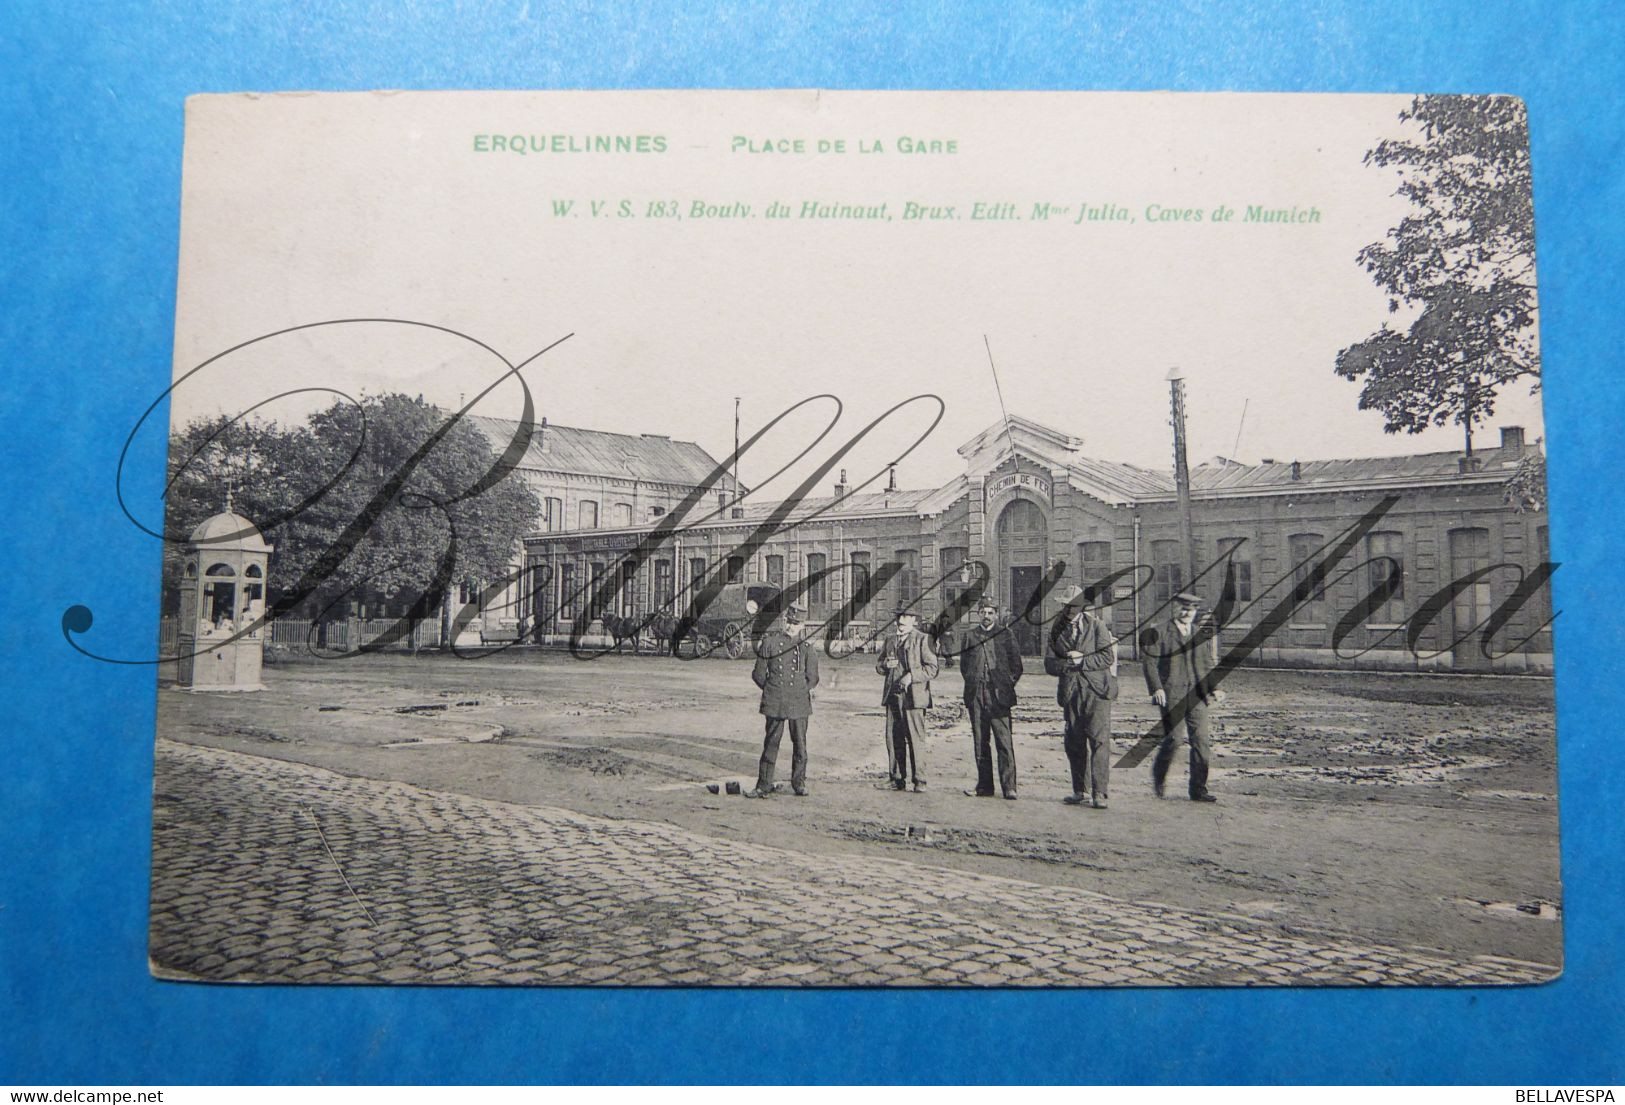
{"x":811,"y":538}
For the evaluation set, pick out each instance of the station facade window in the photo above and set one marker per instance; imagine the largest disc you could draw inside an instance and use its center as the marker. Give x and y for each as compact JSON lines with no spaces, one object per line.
{"x":1170,"y":572}
{"x":1235,"y":561}
{"x":818,"y":591}
{"x":1094,"y":565}
{"x":567,"y":592}
{"x":1392,"y":546}
{"x":1305,"y":551}
{"x":860,"y":577}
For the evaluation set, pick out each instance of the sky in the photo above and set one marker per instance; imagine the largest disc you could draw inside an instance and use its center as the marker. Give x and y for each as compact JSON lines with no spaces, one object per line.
{"x":300,"y":209}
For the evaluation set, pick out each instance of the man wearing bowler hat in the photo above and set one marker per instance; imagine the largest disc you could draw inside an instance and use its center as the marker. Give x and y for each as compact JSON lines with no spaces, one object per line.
{"x":787,"y":671}
{"x":909,"y":663}
{"x":1082,"y":654}
{"x":991,"y":663}
{"x":1178,"y":658}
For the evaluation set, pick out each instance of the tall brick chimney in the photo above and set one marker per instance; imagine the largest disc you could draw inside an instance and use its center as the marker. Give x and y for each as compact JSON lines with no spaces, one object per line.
{"x":840,"y":488}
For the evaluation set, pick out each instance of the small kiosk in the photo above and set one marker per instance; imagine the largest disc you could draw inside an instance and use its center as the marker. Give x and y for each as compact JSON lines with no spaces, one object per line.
{"x":222,"y":592}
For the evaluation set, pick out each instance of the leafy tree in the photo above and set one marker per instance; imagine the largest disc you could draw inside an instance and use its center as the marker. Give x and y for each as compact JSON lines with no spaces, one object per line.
{"x":1526,"y":489}
{"x":214,"y":462}
{"x":305,"y":487}
{"x":1463,"y":258}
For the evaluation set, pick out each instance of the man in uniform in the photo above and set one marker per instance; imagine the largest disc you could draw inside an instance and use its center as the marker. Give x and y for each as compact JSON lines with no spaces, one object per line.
{"x":787,"y":671}
{"x":909,"y":663}
{"x":1178,"y":661}
{"x":1083,"y":655}
{"x":991,"y":664}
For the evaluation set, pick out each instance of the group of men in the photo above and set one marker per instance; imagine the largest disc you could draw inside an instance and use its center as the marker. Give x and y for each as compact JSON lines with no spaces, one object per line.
{"x":1177,"y":660}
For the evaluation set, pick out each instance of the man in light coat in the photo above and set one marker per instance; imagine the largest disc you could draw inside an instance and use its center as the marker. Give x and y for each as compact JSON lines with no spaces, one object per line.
{"x":909,"y":663}
{"x":1082,"y":654}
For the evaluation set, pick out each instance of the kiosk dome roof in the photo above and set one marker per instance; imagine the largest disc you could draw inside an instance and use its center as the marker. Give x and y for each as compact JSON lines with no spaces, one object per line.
{"x":228,"y":530}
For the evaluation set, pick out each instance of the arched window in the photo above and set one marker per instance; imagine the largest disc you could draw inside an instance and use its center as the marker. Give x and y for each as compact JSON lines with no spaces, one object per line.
{"x":219,"y":596}
{"x":587,"y":514}
{"x":621,"y":514}
{"x":253,"y":571}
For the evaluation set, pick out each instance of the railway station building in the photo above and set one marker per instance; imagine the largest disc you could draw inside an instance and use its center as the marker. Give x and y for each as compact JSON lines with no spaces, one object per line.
{"x":1031,"y":505}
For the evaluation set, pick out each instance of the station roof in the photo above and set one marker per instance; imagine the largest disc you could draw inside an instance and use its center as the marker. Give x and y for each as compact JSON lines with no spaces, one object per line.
{"x":1276,"y":476}
{"x":662,"y":459}
{"x":651,"y":457}
{"x":848,"y":506}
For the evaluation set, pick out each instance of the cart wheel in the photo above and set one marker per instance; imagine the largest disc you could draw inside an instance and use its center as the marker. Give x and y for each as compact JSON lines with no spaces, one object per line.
{"x":734,"y":640}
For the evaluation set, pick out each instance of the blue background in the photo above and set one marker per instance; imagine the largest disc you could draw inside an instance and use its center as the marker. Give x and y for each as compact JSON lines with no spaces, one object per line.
{"x":90,"y":156}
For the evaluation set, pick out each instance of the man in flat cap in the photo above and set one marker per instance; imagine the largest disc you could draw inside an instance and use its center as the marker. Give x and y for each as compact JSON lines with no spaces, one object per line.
{"x":991,"y":663}
{"x":1083,"y":655}
{"x":1178,"y":658}
{"x":909,"y":663}
{"x":787,"y":671}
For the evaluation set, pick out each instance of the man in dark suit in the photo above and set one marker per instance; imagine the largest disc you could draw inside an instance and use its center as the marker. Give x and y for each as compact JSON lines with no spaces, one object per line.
{"x":1083,"y":655}
{"x":1178,"y":658}
{"x":787,"y":671}
{"x":909,"y":663}
{"x":991,"y":664}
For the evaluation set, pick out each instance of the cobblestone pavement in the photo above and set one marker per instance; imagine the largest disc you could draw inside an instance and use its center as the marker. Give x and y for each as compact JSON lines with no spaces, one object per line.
{"x":271,"y":871}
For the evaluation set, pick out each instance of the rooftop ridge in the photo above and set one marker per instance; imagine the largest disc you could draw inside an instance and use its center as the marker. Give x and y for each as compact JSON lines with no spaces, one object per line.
{"x":1437,"y":454}
{"x":551,"y":426}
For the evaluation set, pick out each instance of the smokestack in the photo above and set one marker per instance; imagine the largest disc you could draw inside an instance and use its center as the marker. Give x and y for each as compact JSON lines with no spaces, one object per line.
{"x":1297,"y":470}
{"x":1512,"y":439}
{"x":541,"y":434}
{"x":840,"y":488}
{"x":891,"y":479}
